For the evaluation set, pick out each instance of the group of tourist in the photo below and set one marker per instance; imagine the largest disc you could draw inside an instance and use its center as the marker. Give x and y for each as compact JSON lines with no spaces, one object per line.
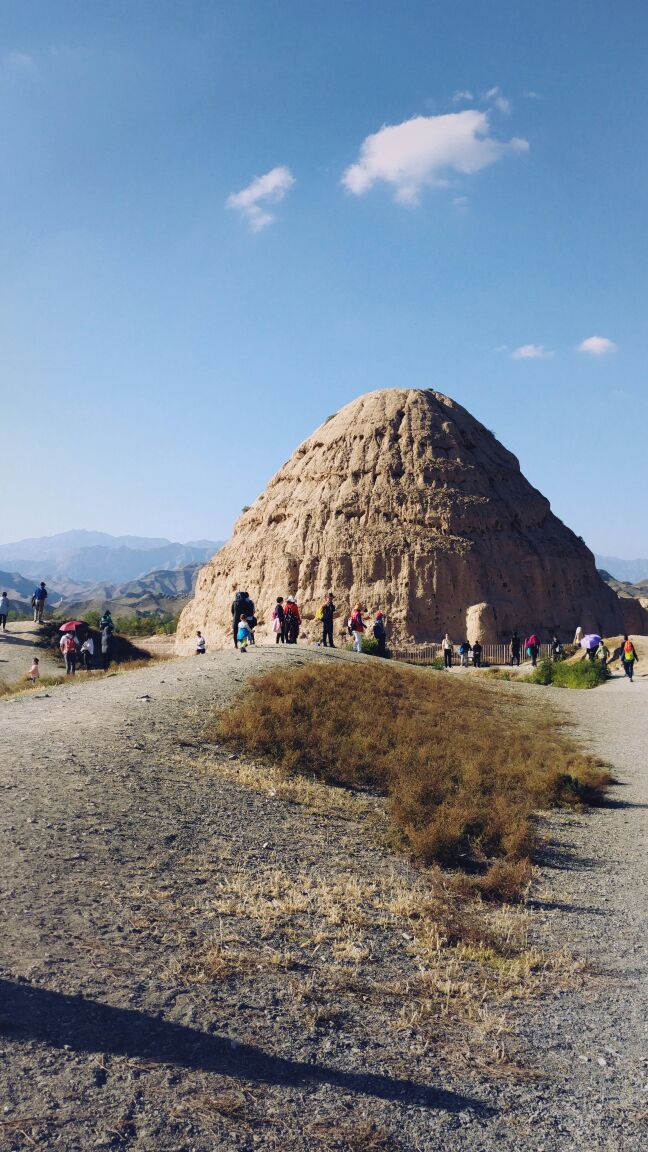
{"x":76,"y":645}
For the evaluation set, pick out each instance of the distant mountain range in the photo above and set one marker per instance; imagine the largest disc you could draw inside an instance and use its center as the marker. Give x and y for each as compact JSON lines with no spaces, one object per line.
{"x":631,"y":571}
{"x":82,"y":557}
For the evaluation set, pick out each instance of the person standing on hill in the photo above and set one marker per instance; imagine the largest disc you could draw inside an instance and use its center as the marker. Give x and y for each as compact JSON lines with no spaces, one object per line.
{"x":201,"y":646}
{"x":106,"y":621}
{"x":241,"y":606}
{"x":532,"y":645}
{"x":328,"y":612}
{"x":603,"y":653}
{"x":4,"y":611}
{"x":68,"y":647}
{"x":87,"y":653}
{"x":628,"y":657}
{"x":464,"y":651}
{"x":447,"y":649}
{"x":292,"y":617}
{"x":279,"y":621}
{"x":477,"y":651}
{"x":380,"y":633}
{"x":514,"y":648}
{"x":244,"y":633}
{"x":357,"y":626}
{"x":38,"y":602}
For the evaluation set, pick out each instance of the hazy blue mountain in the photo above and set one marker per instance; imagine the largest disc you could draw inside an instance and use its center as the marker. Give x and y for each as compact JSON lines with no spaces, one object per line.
{"x":632,"y":571}
{"x":96,"y":557}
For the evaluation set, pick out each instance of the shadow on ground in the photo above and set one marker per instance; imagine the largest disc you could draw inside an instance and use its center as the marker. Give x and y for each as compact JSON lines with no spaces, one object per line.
{"x":36,"y":1014}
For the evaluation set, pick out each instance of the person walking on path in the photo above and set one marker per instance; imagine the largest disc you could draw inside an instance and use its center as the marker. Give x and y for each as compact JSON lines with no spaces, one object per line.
{"x":34,"y":671}
{"x":106,"y":646}
{"x":447,"y":648}
{"x":279,"y":621}
{"x":532,"y":647}
{"x":464,"y":650}
{"x":514,"y":648}
{"x":292,"y":617}
{"x":68,"y":647}
{"x":556,"y":649}
{"x":4,"y":611}
{"x":244,"y":634}
{"x":628,"y":657}
{"x":380,"y":633}
{"x":87,"y":653}
{"x":328,"y":612}
{"x":201,"y":646}
{"x":357,"y":626}
{"x":477,"y":651}
{"x":241,"y":606}
{"x":38,"y":602}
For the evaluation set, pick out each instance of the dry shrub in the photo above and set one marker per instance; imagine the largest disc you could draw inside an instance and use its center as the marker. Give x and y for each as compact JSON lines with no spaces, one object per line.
{"x":464,"y":769}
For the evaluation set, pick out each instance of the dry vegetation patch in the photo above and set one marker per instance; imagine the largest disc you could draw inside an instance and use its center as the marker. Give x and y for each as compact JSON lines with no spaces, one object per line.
{"x":464,"y":769}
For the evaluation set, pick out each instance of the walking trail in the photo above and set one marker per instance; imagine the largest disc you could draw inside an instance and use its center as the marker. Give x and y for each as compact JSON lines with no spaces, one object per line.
{"x":116,"y":841}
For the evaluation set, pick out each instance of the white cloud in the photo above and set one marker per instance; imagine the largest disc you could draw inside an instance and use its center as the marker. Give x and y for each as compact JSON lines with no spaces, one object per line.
{"x":268,"y":189}
{"x":461,"y":203}
{"x":419,"y":152}
{"x":532,"y":352}
{"x":494,"y":96}
{"x":531,"y":95}
{"x":597,"y":346}
{"x":463,"y":96}
{"x":19,"y":62}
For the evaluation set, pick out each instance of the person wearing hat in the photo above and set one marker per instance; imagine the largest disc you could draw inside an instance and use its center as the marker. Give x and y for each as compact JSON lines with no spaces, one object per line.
{"x":292,"y":619}
{"x":380,"y":633}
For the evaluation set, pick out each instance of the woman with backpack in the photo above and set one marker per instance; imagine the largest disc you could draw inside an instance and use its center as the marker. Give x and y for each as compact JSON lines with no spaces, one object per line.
{"x":292,"y":619}
{"x":357,"y":627}
{"x":279,"y":621}
{"x":628,"y":657}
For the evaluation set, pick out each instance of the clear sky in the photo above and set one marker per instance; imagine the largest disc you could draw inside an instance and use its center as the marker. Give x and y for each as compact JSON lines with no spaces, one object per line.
{"x":221,"y":221}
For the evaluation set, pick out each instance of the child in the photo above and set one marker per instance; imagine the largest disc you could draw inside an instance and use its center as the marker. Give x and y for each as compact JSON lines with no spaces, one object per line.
{"x":244,"y":634}
{"x":34,"y":671}
{"x":200,"y":644}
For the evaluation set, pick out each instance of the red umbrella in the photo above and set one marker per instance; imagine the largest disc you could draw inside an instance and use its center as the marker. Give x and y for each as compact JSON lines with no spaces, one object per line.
{"x":72,"y":625}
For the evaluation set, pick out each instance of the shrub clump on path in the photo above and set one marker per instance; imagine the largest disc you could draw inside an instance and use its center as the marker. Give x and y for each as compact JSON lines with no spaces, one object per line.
{"x":464,"y":768}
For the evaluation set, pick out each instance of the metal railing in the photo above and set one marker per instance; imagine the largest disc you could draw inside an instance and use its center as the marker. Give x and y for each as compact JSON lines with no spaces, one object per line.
{"x":491,"y":654}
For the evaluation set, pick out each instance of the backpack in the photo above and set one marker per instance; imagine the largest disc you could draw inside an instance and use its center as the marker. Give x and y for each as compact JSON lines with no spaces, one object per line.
{"x":628,"y":651}
{"x":69,"y":645}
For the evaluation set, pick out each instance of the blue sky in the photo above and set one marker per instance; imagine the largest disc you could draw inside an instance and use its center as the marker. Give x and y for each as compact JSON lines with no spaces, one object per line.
{"x":170,"y":330}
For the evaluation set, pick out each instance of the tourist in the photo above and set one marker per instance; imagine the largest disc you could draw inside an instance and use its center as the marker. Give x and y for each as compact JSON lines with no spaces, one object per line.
{"x":477,"y":651}
{"x":514,"y":648}
{"x":201,"y":646}
{"x":448,"y":650}
{"x":38,"y":602}
{"x":107,"y":621}
{"x":242,"y":606}
{"x":357,"y":626}
{"x":87,"y":653}
{"x":556,"y":649}
{"x":532,"y":648}
{"x":107,"y":645}
{"x":464,"y":650}
{"x":34,"y":671}
{"x":327,"y":614}
{"x":279,"y":621}
{"x":68,"y":646}
{"x":578,"y":636}
{"x":628,"y":657}
{"x":603,"y":653}
{"x":244,"y":633}
{"x":292,"y":619}
{"x":4,"y":611}
{"x":380,"y":633}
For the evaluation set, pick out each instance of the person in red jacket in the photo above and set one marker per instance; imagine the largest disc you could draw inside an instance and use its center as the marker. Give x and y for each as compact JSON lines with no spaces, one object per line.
{"x":357,"y":626}
{"x":292,"y":620}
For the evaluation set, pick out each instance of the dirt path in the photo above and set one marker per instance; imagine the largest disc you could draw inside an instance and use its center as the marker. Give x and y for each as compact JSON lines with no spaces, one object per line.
{"x":18,"y":646}
{"x":123,"y":857}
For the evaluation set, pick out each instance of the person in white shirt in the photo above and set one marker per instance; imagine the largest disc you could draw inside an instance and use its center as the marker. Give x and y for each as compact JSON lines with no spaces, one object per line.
{"x":87,"y":653}
{"x":201,"y":646}
{"x":448,"y":649}
{"x":4,"y":611}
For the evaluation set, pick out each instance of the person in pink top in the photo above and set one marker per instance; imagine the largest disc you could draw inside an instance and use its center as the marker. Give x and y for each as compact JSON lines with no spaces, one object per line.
{"x":34,"y":671}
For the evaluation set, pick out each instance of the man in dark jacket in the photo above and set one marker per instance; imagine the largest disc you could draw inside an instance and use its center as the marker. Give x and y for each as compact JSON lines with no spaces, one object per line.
{"x":242,"y":606}
{"x":328,"y":612}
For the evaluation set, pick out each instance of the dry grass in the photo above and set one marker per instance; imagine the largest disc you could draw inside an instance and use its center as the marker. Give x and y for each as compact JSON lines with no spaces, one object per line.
{"x":25,"y":686}
{"x":464,"y":771}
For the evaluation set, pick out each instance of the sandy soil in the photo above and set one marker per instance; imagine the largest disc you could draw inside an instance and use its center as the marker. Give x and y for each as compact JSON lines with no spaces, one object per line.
{"x":127,"y":862}
{"x":18,"y":646}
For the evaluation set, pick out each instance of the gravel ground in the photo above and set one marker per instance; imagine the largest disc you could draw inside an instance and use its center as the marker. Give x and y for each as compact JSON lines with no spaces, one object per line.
{"x":118,"y":848}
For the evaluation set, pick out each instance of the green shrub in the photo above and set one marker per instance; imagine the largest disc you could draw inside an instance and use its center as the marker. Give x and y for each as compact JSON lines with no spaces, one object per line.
{"x":162,"y":625}
{"x":584,"y":674}
{"x":369,"y":646}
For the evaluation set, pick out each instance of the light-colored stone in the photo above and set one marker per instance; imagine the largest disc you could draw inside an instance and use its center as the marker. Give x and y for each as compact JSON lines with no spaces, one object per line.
{"x":405,"y":502}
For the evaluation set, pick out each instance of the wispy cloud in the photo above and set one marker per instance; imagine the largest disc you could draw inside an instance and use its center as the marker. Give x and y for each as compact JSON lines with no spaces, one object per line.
{"x":531,"y":95}
{"x":494,"y":96}
{"x":422,"y":152}
{"x":252,"y":201}
{"x":460,"y":203}
{"x":20,"y":63}
{"x":463,"y":96}
{"x":532,"y":352}
{"x":597,"y":346}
